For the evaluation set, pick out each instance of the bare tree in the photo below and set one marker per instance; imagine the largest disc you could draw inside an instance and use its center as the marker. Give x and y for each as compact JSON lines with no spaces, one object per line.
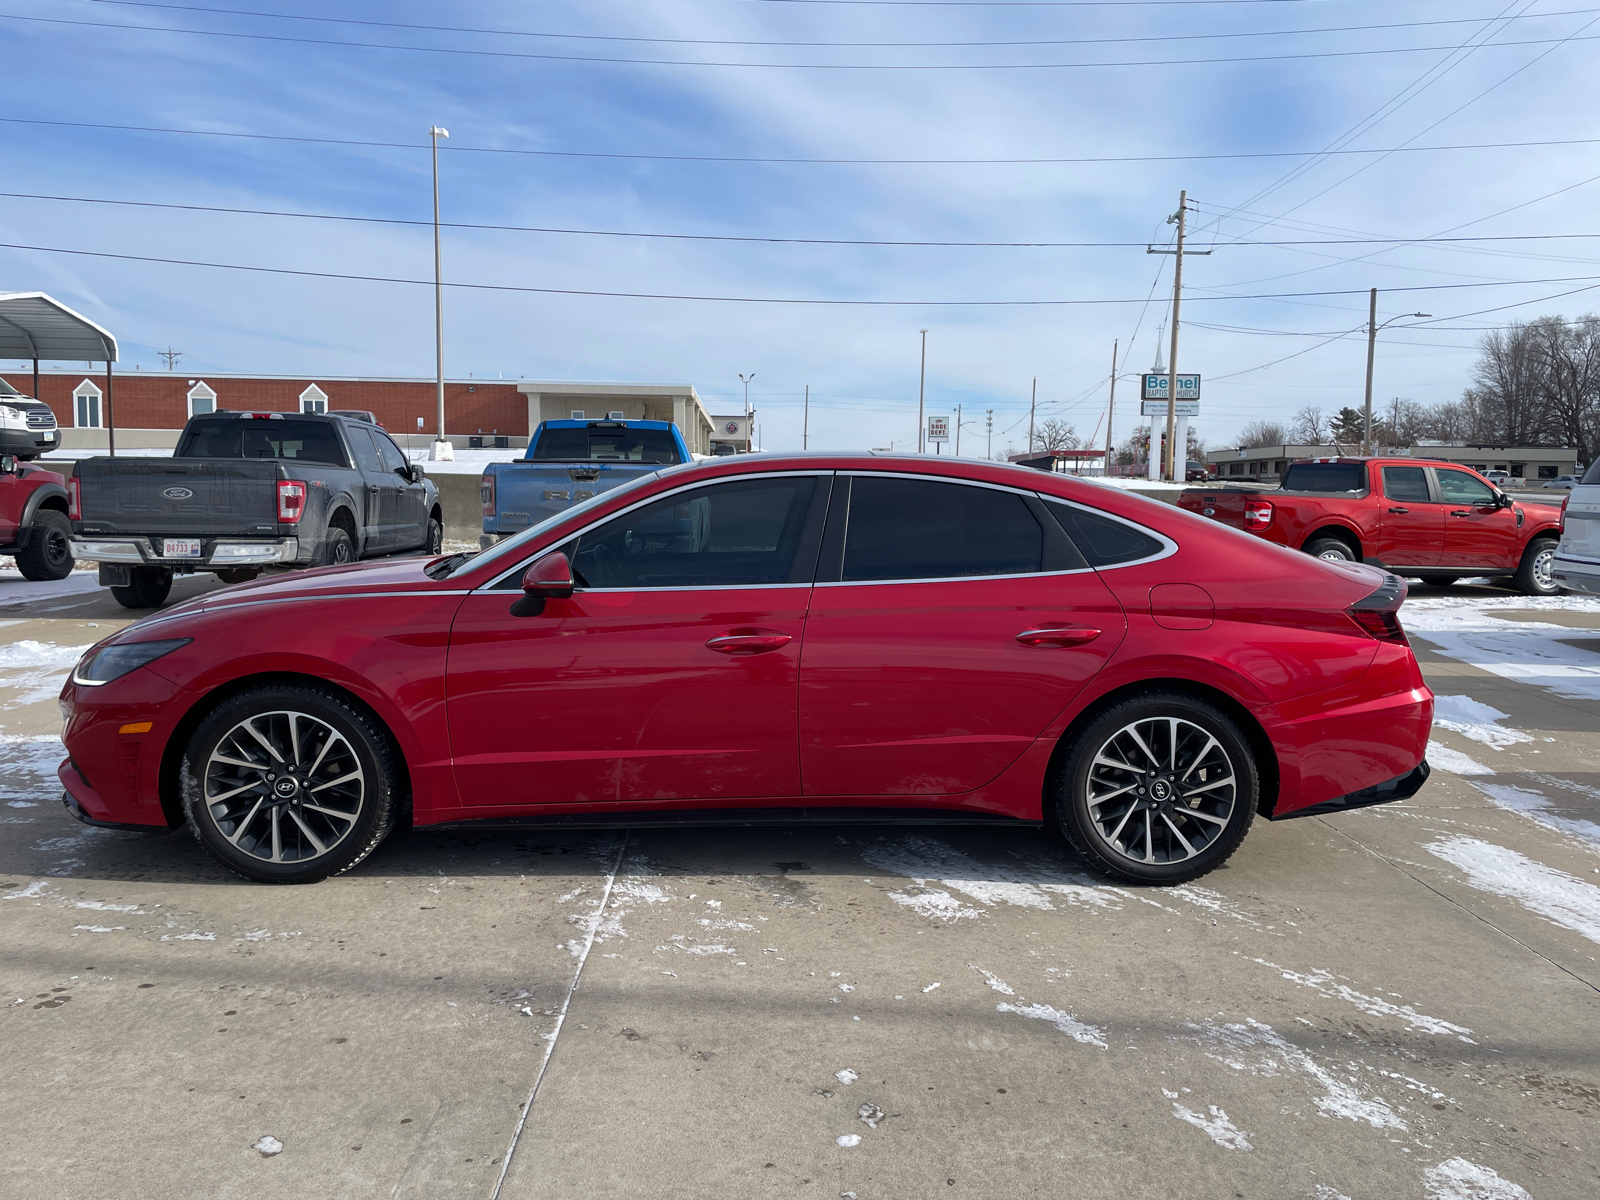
{"x":1508,"y":382}
{"x":1263,"y":433}
{"x":1310,"y":427}
{"x":1570,"y":382}
{"x":1056,"y":434}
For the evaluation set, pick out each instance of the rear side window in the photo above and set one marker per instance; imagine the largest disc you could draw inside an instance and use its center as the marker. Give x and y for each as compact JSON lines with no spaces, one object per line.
{"x":366,"y":452}
{"x":1102,"y":541}
{"x":1405,"y":483}
{"x":233,"y":437}
{"x":1593,"y":474}
{"x":1326,"y":477}
{"x":922,"y":529}
{"x":605,"y":445}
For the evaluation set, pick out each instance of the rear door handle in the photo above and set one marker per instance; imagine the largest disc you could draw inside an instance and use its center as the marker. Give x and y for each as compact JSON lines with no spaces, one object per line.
{"x":1072,"y":635}
{"x":748,"y":643}
{"x":1401,"y":511}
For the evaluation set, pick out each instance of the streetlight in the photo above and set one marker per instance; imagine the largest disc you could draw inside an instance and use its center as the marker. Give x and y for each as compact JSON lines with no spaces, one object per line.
{"x":749,"y":414}
{"x":922,"y":381}
{"x":435,"y":132}
{"x":1372,"y":343}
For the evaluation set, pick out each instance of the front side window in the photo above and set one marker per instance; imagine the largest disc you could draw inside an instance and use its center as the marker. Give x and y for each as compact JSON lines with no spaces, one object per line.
{"x":390,"y":454}
{"x":921,"y":529}
{"x":1405,"y":483}
{"x":1457,"y":487}
{"x":740,"y":533}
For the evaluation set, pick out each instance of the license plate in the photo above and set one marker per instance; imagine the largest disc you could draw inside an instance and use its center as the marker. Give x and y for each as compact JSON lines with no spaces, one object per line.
{"x":50,"y":436}
{"x":180,"y":547}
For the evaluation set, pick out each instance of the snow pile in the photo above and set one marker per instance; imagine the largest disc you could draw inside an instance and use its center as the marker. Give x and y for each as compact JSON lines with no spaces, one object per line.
{"x":1560,"y":898}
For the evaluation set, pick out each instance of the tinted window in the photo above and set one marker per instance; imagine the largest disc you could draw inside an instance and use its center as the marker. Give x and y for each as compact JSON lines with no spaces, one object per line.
{"x":723,"y":534}
{"x":1104,"y":542}
{"x":366,"y":452}
{"x":233,"y":437}
{"x":605,"y":445}
{"x":1457,"y":487}
{"x":393,"y":460}
{"x":919,"y":529}
{"x":1325,"y":477}
{"x":1405,"y":483}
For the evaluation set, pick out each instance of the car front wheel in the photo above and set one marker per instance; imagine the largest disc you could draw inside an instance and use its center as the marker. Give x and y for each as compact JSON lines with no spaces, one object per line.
{"x":1157,"y":789}
{"x":1535,"y":575}
{"x":289,"y":784}
{"x":49,"y":552}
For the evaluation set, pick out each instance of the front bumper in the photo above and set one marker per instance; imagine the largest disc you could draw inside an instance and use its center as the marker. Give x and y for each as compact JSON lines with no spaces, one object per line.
{"x":28,"y":441}
{"x":1576,"y":575}
{"x":216,"y":554}
{"x":84,"y":803}
{"x":1402,"y":787}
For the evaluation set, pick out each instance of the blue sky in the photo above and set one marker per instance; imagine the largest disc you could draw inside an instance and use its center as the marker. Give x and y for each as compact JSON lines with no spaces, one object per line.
{"x":861,"y":361}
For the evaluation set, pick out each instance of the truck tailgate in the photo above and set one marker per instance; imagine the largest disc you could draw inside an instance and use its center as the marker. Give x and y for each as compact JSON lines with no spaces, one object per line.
{"x":1227,"y":507}
{"x":526,"y":493}
{"x":193,"y":496}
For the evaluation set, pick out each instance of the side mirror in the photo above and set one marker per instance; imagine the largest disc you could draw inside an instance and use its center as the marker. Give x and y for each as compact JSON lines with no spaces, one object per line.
{"x":415,"y":473}
{"x":8,"y":464}
{"x":1502,"y":500}
{"x":549,"y":578}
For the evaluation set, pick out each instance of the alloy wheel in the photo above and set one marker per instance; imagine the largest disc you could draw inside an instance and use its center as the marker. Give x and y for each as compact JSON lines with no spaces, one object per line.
{"x":284,"y":787}
{"x":1544,"y":569}
{"x":1161,"y":790}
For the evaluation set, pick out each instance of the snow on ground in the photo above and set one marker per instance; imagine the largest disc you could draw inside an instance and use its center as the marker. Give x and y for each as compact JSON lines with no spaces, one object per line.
{"x":1457,"y":763}
{"x":1476,"y":720}
{"x":1558,"y":897}
{"x":1531,"y":652}
{"x":14,"y":588}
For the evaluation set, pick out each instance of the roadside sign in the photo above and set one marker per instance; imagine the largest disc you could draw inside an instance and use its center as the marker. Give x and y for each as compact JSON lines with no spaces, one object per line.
{"x":938,"y":429}
{"x":1155,"y":387}
{"x":1158,"y":408}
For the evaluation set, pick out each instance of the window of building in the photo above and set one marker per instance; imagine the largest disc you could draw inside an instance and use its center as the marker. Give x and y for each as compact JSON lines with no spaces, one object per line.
{"x":314,"y":400}
{"x":86,"y":405}
{"x":1548,"y":470}
{"x":201,"y":399}
{"x":1236,"y":468}
{"x":577,"y":414}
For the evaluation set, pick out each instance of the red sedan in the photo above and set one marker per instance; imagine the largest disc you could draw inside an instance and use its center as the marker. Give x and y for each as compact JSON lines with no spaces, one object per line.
{"x":771,"y":638}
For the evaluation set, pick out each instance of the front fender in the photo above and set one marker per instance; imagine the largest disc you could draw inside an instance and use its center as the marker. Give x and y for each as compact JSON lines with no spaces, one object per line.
{"x":36,"y":499}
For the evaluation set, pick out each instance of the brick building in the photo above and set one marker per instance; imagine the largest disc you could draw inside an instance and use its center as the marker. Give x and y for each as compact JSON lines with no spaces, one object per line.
{"x":150,"y":407}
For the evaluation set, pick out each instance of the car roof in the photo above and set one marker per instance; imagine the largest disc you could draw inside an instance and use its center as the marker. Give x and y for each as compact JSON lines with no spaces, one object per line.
{"x":599,"y":424}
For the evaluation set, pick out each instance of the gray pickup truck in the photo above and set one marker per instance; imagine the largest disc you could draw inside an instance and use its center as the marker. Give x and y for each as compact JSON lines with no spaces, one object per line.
{"x":248,"y":491}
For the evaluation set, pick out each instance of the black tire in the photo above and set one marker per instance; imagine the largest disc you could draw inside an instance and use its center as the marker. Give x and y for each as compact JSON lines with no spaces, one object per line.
{"x":1440,"y":580}
{"x":435,"y":543}
{"x":258,"y":821}
{"x":1533,"y":577}
{"x":148,"y":587}
{"x":238,"y":574}
{"x":1331,"y":548}
{"x":1209,"y":822}
{"x":337,"y":548}
{"x":49,"y":552}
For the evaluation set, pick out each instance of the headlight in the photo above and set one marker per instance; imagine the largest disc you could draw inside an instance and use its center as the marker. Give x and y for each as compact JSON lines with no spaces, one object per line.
{"x":114,"y":662}
{"x":9,"y":413}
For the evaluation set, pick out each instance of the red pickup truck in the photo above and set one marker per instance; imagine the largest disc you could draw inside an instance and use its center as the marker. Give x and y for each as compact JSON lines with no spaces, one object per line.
{"x":33,"y":520}
{"x":1434,"y":521}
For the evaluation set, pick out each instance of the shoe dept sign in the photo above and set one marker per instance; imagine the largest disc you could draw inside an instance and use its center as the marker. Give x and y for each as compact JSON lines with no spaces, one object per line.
{"x":1153,"y":393}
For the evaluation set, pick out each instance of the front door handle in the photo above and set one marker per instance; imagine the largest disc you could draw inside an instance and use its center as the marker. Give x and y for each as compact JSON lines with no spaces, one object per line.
{"x":1071,"y":635}
{"x":1460,"y":512}
{"x":1400,"y":511}
{"x":748,"y":643}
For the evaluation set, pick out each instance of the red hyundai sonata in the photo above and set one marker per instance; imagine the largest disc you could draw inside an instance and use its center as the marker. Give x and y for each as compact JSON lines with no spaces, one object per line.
{"x":771,"y":638}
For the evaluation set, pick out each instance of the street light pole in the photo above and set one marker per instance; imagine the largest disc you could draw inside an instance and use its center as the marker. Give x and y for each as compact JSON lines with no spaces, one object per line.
{"x":749,"y":417}
{"x":922,"y":383}
{"x":805,"y":422}
{"x":435,"y":133}
{"x":958,"y":431}
{"x":988,"y":423}
{"x":1372,"y":345}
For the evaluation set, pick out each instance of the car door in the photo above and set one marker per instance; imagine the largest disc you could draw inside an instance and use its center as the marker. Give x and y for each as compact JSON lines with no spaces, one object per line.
{"x":407,"y":500}
{"x":372,"y":494}
{"x":950,"y":623}
{"x":670,"y":673}
{"x":1411,"y":523}
{"x":1478,"y":532}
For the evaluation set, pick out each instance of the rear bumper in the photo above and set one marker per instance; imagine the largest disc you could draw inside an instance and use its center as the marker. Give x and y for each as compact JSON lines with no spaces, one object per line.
{"x":1402,"y":787}
{"x":215,"y":553}
{"x":1576,"y":574}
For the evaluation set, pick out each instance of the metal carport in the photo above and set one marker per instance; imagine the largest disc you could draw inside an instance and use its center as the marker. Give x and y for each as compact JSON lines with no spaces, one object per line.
{"x":32,"y":325}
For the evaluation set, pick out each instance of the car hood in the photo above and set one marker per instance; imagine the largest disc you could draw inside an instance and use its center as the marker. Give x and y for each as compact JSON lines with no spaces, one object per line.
{"x":381,"y":575}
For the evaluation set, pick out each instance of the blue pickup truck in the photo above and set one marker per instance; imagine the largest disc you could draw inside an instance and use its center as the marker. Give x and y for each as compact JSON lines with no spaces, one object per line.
{"x":569,"y":461}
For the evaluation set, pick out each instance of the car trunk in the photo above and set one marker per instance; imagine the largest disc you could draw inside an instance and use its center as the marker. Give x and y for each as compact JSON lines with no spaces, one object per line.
{"x":196,"y":497}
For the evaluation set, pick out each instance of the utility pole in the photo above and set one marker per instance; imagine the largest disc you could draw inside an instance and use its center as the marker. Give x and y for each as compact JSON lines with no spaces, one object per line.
{"x":1178,"y":219}
{"x":988,"y":427}
{"x":922,"y":382}
{"x":805,"y":421}
{"x":1032,"y":404}
{"x":1111,"y":405}
{"x":435,"y":132}
{"x":958,"y":431}
{"x":749,"y":416}
{"x":1372,"y":345}
{"x":170,"y":355}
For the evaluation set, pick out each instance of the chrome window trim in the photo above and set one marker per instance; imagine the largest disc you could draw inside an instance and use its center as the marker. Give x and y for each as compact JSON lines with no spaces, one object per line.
{"x":915,"y":579}
{"x":1169,"y":547}
{"x":579,"y":532}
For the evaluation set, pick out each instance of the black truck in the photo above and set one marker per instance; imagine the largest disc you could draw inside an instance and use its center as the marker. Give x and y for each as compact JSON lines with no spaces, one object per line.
{"x":246,"y":492}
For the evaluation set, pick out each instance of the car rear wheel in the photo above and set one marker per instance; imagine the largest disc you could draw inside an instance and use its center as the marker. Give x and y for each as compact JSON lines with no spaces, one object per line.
{"x":148,"y":587}
{"x":337,"y":548}
{"x":1331,"y":548}
{"x":49,"y":552}
{"x":435,"y":542}
{"x":1535,"y":575}
{"x":1157,"y":789}
{"x":289,"y":784}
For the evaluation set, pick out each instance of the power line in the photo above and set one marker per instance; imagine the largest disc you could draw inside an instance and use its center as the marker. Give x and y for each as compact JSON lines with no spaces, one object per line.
{"x":723,"y":158}
{"x":761,"y":239}
{"x":703,"y":63}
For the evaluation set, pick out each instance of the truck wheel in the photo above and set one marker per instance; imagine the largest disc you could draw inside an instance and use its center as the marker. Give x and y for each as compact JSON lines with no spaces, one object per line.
{"x":1157,"y":789}
{"x":1331,"y":548}
{"x":49,"y":553}
{"x":337,"y":548}
{"x":435,"y":542}
{"x":1440,"y":580}
{"x":1534,"y":577}
{"x":147,"y":588}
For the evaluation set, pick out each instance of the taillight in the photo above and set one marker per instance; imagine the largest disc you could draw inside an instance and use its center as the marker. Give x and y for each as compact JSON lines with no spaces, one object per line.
{"x":1257,"y":514}
{"x":486,"y":494}
{"x":1378,"y":615}
{"x":1564,"y":500}
{"x":74,"y":505}
{"x":291,"y":501}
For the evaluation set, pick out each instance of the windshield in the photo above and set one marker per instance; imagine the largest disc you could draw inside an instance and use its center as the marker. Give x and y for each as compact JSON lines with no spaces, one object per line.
{"x":604,"y":445}
{"x":512,"y":546}
{"x":1326,"y":477}
{"x":233,"y":437}
{"x":7,"y":390}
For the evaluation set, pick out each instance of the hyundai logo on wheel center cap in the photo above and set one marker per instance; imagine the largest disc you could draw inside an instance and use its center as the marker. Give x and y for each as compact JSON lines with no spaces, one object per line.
{"x":286,"y":787}
{"x":1159,"y":790}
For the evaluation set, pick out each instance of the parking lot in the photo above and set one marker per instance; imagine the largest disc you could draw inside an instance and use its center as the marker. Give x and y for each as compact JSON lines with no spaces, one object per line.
{"x":1395,"y":1002}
